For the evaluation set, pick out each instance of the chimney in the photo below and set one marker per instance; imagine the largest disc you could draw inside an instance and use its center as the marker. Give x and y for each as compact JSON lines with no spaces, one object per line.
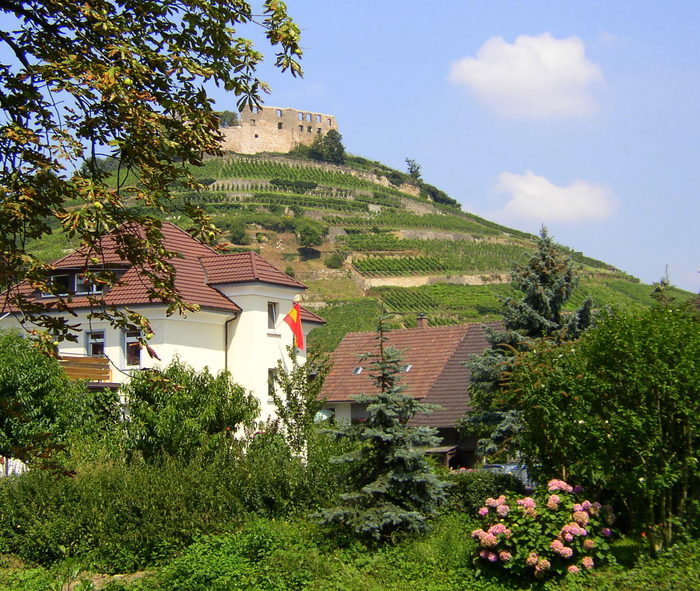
{"x":422,"y":320}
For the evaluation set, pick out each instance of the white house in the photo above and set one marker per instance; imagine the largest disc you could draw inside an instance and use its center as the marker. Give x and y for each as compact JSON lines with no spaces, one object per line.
{"x":243,"y":300}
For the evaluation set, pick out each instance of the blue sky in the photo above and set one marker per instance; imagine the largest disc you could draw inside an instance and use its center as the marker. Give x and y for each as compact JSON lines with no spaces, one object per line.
{"x":582,"y":115}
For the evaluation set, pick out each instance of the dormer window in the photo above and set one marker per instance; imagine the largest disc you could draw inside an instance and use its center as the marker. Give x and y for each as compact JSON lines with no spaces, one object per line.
{"x":357,"y":371}
{"x":83,"y":288}
{"x":63,"y":284}
{"x":406,"y":368}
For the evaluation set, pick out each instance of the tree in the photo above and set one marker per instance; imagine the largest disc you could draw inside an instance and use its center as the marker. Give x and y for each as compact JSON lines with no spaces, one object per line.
{"x":328,"y":148}
{"x":39,"y":406}
{"x":619,"y":410}
{"x":296,"y":397}
{"x":179,"y":411}
{"x":393,"y":488}
{"x":413,"y":169}
{"x":120,"y":80}
{"x":310,"y":233}
{"x":546,"y":281}
{"x":227,"y":118}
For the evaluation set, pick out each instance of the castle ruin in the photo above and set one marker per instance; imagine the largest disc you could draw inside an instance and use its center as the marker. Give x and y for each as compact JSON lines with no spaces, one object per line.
{"x":272,"y":129}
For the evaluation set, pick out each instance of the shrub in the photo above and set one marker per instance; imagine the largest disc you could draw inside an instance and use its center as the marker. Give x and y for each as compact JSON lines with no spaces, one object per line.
{"x":470,"y":488}
{"x":551,"y":533}
{"x":335,"y":260}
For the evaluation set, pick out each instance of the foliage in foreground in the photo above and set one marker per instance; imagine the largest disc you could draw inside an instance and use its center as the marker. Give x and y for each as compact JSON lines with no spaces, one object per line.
{"x":286,"y":556}
{"x":619,"y":410}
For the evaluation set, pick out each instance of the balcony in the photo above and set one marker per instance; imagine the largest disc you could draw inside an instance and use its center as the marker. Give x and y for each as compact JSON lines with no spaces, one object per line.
{"x":96,"y":370}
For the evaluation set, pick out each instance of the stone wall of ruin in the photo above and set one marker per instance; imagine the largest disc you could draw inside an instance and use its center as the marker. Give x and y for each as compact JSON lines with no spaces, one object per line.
{"x":274,"y":129}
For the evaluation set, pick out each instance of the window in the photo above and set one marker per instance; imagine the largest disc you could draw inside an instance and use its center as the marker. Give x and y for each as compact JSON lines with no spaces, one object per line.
{"x":318,"y":119}
{"x":330,"y":122}
{"x":308,"y":129}
{"x":252,"y":121}
{"x":318,"y":131}
{"x":132,"y":347}
{"x":96,"y":343}
{"x":407,"y":367}
{"x":271,"y":379}
{"x":301,"y":128}
{"x":82,"y":288}
{"x":357,"y":371}
{"x":308,"y":116}
{"x":301,"y":116}
{"x":279,"y":125}
{"x":271,"y":315}
{"x":279,"y":112}
{"x":63,"y":283}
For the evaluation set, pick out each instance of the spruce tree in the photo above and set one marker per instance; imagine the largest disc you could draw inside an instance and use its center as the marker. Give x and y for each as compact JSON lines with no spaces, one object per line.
{"x":392,"y":487}
{"x":546,"y":281}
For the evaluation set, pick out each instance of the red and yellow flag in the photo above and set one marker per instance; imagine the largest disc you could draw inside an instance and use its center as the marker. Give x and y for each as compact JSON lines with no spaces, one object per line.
{"x":293,"y":319}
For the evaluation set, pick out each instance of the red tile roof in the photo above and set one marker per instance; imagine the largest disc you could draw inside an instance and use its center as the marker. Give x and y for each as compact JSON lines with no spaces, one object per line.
{"x":198,"y":271}
{"x":438,"y":375}
{"x":244,"y":267}
{"x":308,"y":316}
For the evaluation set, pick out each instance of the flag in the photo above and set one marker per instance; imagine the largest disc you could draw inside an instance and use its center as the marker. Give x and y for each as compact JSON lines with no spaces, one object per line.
{"x":293,"y":319}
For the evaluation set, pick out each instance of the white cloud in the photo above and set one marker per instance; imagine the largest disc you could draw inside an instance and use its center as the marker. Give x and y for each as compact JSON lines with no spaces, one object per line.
{"x":535,"y":198}
{"x":533,"y":78}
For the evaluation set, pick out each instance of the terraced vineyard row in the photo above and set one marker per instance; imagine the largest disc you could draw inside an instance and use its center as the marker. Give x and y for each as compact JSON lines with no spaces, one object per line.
{"x":396,"y":220}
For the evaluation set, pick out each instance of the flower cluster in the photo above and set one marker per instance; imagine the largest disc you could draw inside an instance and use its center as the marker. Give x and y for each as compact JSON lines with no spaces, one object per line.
{"x":513,"y":539}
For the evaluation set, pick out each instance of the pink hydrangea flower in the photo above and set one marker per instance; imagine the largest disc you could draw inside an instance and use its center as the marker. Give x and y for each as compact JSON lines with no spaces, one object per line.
{"x":502,"y":510}
{"x":488,"y":540}
{"x":543,"y":564}
{"x":484,"y":554}
{"x":553,"y":502}
{"x":566,"y":552}
{"x":573,"y":569}
{"x":483,"y":511}
{"x":585,"y":506}
{"x":526,"y":503}
{"x":556,"y":545}
{"x":589,"y":544}
{"x":477,"y":533}
{"x":580,"y":517}
{"x":568,"y":537}
{"x":578,"y":489}
{"x":594,"y":508}
{"x":555,"y":485}
{"x":587,"y":562}
{"x":606,"y":531}
{"x":532,"y":559}
{"x":497,"y":528}
{"x":492,"y":557}
{"x":504,"y":555}
{"x":578,"y":507}
{"x":491,"y":502}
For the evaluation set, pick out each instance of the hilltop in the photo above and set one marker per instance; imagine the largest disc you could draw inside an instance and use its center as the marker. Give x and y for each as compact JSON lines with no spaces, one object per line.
{"x":362,"y":234}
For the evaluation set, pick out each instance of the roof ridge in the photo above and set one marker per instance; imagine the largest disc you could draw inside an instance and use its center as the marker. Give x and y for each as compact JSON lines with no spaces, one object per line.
{"x":254,"y":267}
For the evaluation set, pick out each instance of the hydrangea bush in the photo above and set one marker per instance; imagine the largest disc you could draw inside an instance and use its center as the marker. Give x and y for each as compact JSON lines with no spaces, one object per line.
{"x":554,"y":531}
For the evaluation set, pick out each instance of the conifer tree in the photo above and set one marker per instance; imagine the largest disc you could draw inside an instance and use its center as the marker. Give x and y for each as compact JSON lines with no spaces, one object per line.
{"x":392,"y":486}
{"x":547,"y":281}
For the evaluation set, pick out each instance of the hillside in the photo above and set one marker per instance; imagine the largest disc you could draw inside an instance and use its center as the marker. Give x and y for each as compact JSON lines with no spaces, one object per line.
{"x":372,"y":235}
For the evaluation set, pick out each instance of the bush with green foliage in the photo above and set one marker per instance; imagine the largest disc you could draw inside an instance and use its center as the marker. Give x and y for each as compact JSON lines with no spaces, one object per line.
{"x":619,"y":409}
{"x":178,"y":411}
{"x":310,"y":233}
{"x":553,"y":532}
{"x":39,"y":405}
{"x":469,"y":488}
{"x":334,"y":260}
{"x":392,"y":487}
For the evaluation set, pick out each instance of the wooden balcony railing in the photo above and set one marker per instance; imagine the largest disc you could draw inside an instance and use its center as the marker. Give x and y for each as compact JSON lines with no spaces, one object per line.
{"x":92,"y":369}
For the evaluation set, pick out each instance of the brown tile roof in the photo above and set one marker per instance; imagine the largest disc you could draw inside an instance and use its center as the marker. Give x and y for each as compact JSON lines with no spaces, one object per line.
{"x":244,"y":267}
{"x":197,"y":273}
{"x":437,"y":375}
{"x":308,"y":316}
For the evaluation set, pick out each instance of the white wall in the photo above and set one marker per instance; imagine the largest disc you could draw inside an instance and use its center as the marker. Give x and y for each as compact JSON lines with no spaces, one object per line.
{"x":198,"y":339}
{"x":254,"y":349}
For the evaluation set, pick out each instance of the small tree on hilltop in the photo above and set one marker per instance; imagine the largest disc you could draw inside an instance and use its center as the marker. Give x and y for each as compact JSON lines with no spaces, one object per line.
{"x":328,"y":148}
{"x":547,"y":281}
{"x":413,"y":169}
{"x":393,"y":488}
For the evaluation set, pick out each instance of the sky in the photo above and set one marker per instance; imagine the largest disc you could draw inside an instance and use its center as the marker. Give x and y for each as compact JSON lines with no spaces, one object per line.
{"x":582,"y":115}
